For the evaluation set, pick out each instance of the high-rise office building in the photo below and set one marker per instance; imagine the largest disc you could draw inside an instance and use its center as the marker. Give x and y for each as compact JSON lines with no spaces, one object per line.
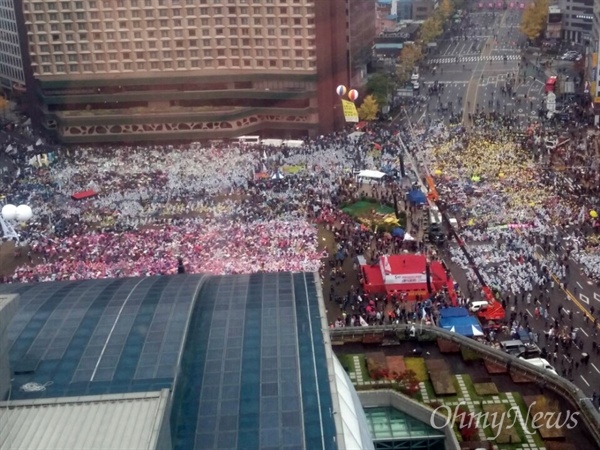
{"x":120,"y":70}
{"x":11,"y":64}
{"x":577,"y":21}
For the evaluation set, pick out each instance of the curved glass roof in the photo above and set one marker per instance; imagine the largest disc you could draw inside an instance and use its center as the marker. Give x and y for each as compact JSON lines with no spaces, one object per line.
{"x":252,"y":372}
{"x":98,"y":336}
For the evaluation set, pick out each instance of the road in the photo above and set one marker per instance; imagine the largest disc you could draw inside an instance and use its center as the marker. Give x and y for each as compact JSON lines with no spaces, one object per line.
{"x":473,"y":67}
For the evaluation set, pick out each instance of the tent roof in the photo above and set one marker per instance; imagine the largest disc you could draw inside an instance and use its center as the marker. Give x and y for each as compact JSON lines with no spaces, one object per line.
{"x":467,"y":325}
{"x":417,"y":196}
{"x":371,"y":174}
{"x":447,"y":313}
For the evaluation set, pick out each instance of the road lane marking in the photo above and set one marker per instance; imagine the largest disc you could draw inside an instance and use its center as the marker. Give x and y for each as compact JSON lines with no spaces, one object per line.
{"x":584,"y":332}
{"x":595,"y":368}
{"x":584,"y":298}
{"x":572,"y":297}
{"x":596,"y":297}
{"x":579,"y":284}
{"x":584,"y":380}
{"x":528,"y":312}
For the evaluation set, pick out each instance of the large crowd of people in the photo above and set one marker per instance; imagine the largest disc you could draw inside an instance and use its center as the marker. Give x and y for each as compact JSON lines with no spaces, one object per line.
{"x":223,"y":208}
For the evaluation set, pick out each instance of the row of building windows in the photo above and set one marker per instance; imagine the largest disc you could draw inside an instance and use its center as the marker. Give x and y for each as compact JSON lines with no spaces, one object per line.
{"x":177,"y":23}
{"x":11,"y":60}
{"x":6,"y":13}
{"x":169,"y":55}
{"x":111,"y":4}
{"x":259,"y":45}
{"x":14,"y":73}
{"x":9,"y":37}
{"x":173,"y":65}
{"x":109,"y":12}
{"x":207,"y":31}
{"x":9,"y":47}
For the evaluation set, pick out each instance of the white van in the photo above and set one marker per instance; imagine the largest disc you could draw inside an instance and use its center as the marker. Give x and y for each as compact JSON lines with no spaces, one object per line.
{"x":293,"y":143}
{"x":541,"y":363}
{"x":478,"y":306}
{"x":252,"y":140}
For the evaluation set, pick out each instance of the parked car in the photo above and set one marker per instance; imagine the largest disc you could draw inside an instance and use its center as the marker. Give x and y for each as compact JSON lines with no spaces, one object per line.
{"x":436,"y":234}
{"x":478,"y":306}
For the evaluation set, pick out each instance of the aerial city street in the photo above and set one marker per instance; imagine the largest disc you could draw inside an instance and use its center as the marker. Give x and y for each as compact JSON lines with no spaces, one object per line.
{"x":311,"y":170}
{"x":485,"y":70}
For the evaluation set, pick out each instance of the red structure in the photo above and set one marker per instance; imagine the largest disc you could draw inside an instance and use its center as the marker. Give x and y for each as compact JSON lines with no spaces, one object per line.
{"x":82,"y":195}
{"x":406,"y":273}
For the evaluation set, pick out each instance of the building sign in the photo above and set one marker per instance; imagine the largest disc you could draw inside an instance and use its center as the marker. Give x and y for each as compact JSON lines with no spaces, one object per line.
{"x":406,"y":278}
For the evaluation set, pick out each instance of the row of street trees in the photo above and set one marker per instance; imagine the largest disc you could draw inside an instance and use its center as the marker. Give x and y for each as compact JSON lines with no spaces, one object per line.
{"x":431,"y":29}
{"x":381,"y":85}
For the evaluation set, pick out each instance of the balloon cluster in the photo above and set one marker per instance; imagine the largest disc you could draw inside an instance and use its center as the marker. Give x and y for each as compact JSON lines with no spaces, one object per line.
{"x":352,"y":94}
{"x":21,"y":213}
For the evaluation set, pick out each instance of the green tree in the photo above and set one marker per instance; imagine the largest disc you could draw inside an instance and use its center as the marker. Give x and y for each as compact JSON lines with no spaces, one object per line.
{"x":431,"y":29}
{"x":369,"y":108}
{"x":380,"y":86}
{"x":535,"y":17}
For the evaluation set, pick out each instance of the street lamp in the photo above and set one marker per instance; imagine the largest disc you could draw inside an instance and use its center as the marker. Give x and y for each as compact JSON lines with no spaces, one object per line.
{"x":12,"y":214}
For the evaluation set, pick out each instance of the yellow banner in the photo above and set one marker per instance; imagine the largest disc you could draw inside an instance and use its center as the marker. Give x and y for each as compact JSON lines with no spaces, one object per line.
{"x":350,"y":111}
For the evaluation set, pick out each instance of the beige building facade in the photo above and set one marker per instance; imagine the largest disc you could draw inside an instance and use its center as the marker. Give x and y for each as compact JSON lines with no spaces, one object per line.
{"x":120,"y":70}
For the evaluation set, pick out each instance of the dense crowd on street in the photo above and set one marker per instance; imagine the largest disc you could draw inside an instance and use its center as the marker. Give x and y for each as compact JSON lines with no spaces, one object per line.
{"x":223,"y":208}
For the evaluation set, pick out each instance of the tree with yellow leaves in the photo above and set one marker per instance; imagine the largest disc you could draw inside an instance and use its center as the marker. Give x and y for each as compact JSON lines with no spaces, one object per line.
{"x":534,"y":20}
{"x":409,"y":57}
{"x":431,"y":29}
{"x":445,"y":10}
{"x":369,"y":108}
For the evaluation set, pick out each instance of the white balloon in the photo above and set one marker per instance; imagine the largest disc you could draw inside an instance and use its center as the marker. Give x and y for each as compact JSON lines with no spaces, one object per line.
{"x":9,"y":212}
{"x":24,"y":213}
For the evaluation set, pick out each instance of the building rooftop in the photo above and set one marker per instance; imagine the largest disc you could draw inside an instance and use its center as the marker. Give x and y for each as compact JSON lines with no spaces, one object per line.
{"x":98,"y":336}
{"x":107,"y":422}
{"x":245,"y":355}
{"x":254,"y":374}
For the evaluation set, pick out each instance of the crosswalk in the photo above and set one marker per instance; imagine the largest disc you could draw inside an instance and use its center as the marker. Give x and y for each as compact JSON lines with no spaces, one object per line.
{"x":466,"y":59}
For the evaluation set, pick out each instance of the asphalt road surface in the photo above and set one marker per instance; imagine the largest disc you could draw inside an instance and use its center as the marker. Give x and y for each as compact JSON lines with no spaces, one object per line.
{"x":473,"y":67}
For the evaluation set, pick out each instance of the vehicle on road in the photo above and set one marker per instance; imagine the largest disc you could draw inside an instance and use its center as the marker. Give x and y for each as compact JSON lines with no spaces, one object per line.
{"x":517,"y":347}
{"x":551,"y":84}
{"x":436,"y":234}
{"x":541,"y":363}
{"x":571,"y":55}
{"x":478,"y":306}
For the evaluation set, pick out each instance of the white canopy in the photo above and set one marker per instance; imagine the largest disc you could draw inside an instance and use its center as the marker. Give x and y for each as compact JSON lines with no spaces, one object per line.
{"x":375,"y":174}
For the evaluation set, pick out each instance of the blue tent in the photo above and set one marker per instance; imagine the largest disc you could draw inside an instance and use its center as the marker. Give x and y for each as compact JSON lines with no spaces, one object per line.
{"x":459,"y":321}
{"x":417,"y":196}
{"x":398,"y":232}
